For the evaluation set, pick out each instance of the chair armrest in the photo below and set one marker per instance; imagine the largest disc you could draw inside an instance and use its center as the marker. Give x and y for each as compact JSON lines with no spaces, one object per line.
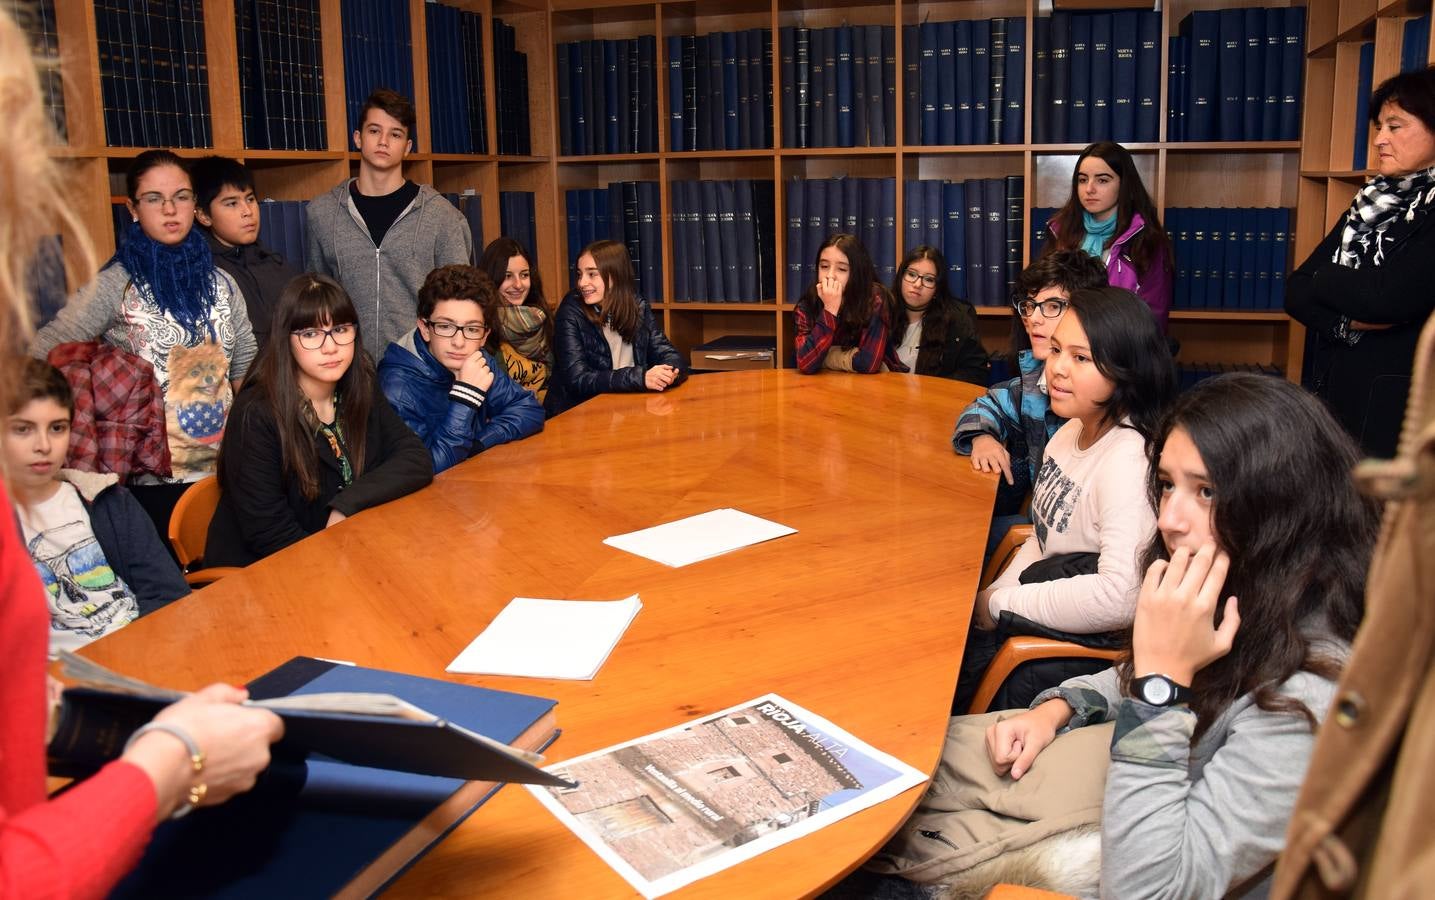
{"x":1010,"y":543}
{"x":1016,"y":892}
{"x":1021,"y":649}
{"x":211,"y":575}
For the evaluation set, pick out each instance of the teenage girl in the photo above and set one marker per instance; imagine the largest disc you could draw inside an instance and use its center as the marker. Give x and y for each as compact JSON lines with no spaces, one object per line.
{"x":844,"y":320}
{"x":523,"y":334}
{"x":1109,"y":374}
{"x":933,"y":331}
{"x":1252,"y":595}
{"x":312,"y":439}
{"x":1110,"y":216}
{"x":162,"y":298}
{"x":605,"y":336}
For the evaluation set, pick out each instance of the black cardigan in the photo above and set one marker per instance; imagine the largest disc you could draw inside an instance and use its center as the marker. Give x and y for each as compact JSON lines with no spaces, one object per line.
{"x":261,"y":510}
{"x":1366,"y":386}
{"x":584,"y":363}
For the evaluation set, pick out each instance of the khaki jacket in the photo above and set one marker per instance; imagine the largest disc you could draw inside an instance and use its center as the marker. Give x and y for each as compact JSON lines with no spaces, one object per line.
{"x":1363,"y":825}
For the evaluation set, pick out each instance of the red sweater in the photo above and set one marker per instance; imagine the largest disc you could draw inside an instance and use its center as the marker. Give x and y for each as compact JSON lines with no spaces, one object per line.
{"x":83,"y":842}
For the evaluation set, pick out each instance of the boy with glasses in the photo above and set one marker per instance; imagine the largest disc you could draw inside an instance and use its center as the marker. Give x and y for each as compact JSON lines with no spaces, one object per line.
{"x":1013,"y":420}
{"x":379,"y":234}
{"x":442,"y":379}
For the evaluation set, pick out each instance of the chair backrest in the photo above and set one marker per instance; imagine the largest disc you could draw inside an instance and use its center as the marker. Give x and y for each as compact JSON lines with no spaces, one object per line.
{"x":189,"y":523}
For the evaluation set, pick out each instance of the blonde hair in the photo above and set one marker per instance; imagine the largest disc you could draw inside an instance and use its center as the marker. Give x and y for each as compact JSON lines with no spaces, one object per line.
{"x":33,"y":204}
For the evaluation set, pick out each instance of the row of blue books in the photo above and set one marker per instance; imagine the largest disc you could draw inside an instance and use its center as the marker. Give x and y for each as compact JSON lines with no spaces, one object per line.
{"x":154,"y":73}
{"x":510,"y":81}
{"x":458,"y":114}
{"x":1414,"y":52}
{"x":608,"y":96}
{"x":1039,"y":232}
{"x":515,"y":219}
{"x":1096,"y":77}
{"x":838,"y":85}
{"x":1230,"y":258}
{"x":470,"y":203}
{"x":1188,"y":375}
{"x":977,"y":224}
{"x":720,"y":90}
{"x":629,"y":212}
{"x":37,"y":19}
{"x":378,"y":52}
{"x":281,"y":74}
{"x":724,"y":247}
{"x":965,"y":81}
{"x":816,"y":208}
{"x":1235,"y":75}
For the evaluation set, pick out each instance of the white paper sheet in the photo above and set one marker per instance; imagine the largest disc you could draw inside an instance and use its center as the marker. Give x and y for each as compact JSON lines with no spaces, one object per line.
{"x":699,"y":537}
{"x":548,"y":638}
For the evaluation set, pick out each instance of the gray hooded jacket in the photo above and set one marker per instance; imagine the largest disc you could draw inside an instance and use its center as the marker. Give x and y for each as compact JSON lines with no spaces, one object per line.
{"x":384,"y":281}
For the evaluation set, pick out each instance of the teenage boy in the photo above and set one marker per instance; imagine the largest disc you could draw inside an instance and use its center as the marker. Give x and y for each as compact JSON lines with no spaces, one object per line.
{"x":379,"y":234}
{"x":228,"y":210}
{"x":1013,"y":420}
{"x":93,"y":545}
{"x":454,"y":395}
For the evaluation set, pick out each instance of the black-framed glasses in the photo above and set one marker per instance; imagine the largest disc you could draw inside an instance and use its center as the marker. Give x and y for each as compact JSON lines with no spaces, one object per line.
{"x":1050,"y":309}
{"x":156,"y":200}
{"x":449,"y":329}
{"x":313,"y":338}
{"x":918,"y":278}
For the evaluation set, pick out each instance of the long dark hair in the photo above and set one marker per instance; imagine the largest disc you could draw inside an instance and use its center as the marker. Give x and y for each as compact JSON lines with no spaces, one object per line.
{"x":1129,"y":350}
{"x":862,"y":283}
{"x":944,"y":314}
{"x":1071,"y":270}
{"x":620,"y":293}
{"x":313,"y":301}
{"x":1287,"y":513}
{"x":495,"y":262}
{"x":1150,"y":245}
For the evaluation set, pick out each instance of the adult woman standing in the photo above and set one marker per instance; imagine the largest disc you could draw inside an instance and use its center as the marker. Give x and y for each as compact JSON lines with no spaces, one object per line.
{"x":934,"y":332}
{"x":1111,"y":217}
{"x":1365,"y":291}
{"x":116,"y":809}
{"x":522,"y":336}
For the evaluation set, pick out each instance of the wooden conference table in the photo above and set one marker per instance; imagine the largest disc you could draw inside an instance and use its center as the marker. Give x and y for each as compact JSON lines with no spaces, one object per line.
{"x":860,"y":616}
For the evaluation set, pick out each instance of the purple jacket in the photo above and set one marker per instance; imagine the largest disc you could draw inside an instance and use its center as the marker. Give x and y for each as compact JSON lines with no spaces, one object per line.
{"x":1154,"y":288}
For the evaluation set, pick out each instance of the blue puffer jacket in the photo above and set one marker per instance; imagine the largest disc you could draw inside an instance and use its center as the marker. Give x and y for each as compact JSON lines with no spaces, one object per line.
{"x":445,"y":417}
{"x":584,"y":361}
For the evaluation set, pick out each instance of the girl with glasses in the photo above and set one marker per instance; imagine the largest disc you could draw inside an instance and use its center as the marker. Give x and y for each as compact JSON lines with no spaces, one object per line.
{"x":934,"y":332}
{"x":161,"y":298}
{"x":1110,"y":216}
{"x":605,"y":336}
{"x":1110,"y":376}
{"x":522,"y":331}
{"x":311,"y":440}
{"x":844,"y":320}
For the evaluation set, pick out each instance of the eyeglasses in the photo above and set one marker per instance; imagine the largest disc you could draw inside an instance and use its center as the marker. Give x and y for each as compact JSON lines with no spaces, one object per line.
{"x":918,"y":278}
{"x":313,"y":338}
{"x":1050,"y":309}
{"x":449,"y":329}
{"x":156,"y":200}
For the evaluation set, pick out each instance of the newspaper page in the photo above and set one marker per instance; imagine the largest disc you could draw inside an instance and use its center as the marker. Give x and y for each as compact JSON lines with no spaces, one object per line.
{"x":670,"y":808}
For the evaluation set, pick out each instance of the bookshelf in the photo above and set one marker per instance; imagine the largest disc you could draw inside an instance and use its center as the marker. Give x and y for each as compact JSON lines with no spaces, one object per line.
{"x":1311,"y":176}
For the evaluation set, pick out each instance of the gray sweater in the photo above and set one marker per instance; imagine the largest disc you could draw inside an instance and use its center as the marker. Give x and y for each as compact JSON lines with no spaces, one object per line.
{"x":384,"y":281}
{"x":1195,"y":822}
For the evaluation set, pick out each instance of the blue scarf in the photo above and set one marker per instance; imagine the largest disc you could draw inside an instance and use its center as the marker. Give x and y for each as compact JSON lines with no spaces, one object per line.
{"x":1097,"y":233}
{"x":179,"y":278}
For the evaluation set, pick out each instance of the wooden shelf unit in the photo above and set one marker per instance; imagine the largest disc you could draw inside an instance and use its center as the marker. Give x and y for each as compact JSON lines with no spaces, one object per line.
{"x":1280,"y":173}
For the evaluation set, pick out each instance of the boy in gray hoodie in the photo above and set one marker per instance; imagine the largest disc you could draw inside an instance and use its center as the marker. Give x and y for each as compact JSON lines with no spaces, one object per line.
{"x":379,"y":235}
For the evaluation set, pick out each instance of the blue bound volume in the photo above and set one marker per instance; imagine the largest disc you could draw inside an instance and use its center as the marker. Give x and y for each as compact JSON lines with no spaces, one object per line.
{"x":1102,"y":63}
{"x":1078,"y":127}
{"x":981,"y":80}
{"x":1124,"y":73}
{"x":958,"y":85}
{"x":1148,"y":75}
{"x":1013,"y":128}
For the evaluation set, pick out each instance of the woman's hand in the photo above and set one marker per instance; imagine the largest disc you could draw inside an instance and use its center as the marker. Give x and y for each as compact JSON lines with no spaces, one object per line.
{"x":829,"y":291}
{"x":234,"y":739}
{"x":988,"y":455}
{"x":335,"y":517}
{"x":1174,"y":632}
{"x":659,"y":377}
{"x":1013,"y":744}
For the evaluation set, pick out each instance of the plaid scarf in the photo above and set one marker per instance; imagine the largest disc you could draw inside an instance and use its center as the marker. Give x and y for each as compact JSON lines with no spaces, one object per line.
{"x":1382,"y":215}
{"x":522,"y":328}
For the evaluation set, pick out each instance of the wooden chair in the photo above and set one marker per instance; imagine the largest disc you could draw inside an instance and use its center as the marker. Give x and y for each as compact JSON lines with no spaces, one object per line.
{"x":1020,"y":649}
{"x":189,"y":528}
{"x":1015,"y":892}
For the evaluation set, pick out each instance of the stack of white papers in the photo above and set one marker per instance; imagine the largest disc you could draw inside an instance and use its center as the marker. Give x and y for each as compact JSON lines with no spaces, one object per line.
{"x":548,"y":638}
{"x":699,"y":537}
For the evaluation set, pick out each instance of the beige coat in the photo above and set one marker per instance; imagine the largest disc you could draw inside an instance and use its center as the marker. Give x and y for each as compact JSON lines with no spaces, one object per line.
{"x":1364,"y":824}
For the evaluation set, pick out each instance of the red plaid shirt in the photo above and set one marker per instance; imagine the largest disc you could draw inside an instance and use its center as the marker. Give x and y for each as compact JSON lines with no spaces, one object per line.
{"x":118,"y":425}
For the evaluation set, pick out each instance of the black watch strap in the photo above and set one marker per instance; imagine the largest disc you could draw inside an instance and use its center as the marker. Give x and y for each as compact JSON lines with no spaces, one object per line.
{"x":1160,"y":690}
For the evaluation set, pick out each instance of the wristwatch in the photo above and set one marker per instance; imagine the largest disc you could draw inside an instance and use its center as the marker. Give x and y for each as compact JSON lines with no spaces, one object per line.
{"x":1159,"y":690}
